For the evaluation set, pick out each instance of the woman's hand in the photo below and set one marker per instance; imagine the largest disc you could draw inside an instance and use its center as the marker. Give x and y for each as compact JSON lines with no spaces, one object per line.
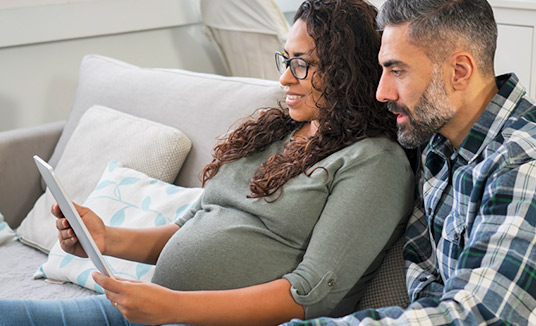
{"x":145,"y":303}
{"x":139,"y":302}
{"x":68,"y":240}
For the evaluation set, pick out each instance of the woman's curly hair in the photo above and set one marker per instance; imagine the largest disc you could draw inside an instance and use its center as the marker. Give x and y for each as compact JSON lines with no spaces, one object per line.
{"x":347,"y":43}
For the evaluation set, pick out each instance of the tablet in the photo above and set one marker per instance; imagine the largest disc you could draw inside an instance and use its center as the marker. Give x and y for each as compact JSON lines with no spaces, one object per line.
{"x":70,"y":213}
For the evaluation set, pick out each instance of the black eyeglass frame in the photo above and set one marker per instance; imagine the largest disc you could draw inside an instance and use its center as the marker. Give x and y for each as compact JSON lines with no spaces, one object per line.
{"x":288,"y":63}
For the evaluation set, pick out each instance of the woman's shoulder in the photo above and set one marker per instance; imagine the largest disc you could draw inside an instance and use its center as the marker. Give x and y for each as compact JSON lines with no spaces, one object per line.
{"x":375,"y":157}
{"x":373,"y":146}
{"x":379,"y":149}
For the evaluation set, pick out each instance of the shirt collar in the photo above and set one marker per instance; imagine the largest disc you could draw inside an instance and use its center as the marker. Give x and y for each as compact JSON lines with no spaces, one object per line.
{"x":490,"y":123}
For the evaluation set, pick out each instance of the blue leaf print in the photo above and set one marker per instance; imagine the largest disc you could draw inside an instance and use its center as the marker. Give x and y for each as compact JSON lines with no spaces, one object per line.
{"x":146,"y":203}
{"x":182,"y":209}
{"x":124,"y":182}
{"x":142,"y":269}
{"x":3,"y":225}
{"x":112,"y":165}
{"x":82,"y":278}
{"x":172,"y":189}
{"x":128,"y":181}
{"x":98,"y":288}
{"x":118,"y":218}
{"x":159,"y":220}
{"x":103,"y":184}
{"x":66,"y":260}
{"x":43,"y":271}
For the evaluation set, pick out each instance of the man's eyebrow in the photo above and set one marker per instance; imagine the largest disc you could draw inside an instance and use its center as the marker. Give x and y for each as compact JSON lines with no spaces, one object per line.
{"x":390,"y":63}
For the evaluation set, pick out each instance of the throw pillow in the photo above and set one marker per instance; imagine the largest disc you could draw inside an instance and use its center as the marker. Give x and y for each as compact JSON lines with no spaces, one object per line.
{"x":127,"y":198}
{"x":102,"y":135}
{"x":203,"y":106}
{"x":6,"y":234}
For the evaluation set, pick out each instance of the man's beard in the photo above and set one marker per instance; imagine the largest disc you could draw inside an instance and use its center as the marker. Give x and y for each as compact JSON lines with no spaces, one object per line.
{"x":432,"y":111}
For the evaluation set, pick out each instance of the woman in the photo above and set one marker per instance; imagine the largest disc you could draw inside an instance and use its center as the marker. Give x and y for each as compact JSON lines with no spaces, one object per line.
{"x":297,"y":203}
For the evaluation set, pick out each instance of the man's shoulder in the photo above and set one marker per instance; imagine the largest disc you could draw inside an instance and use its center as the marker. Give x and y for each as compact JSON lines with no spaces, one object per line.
{"x":520,"y":128}
{"x":526,"y":108}
{"x":515,"y":144}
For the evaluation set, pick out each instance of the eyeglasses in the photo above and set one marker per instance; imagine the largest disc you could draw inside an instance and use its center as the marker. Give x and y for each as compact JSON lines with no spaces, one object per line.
{"x":298,"y":66}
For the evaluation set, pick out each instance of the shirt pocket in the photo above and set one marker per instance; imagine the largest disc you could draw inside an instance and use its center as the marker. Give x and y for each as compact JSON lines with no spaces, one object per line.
{"x":454,"y":229}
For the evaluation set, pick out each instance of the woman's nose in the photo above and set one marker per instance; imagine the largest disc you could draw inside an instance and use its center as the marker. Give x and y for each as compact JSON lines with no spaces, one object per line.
{"x":287,"y":77}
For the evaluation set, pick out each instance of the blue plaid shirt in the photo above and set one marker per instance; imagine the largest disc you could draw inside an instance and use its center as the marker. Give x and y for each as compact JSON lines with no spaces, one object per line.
{"x":470,"y":247}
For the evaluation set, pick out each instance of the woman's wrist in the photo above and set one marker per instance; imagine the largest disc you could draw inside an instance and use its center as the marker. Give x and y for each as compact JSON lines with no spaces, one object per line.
{"x":110,"y":236}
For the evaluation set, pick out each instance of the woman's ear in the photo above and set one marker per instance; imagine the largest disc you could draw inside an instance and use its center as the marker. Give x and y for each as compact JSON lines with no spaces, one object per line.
{"x":463,"y":66}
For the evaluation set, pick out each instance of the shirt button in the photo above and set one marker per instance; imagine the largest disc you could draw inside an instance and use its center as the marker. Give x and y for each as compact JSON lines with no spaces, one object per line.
{"x":429,"y":211}
{"x":331,"y":282}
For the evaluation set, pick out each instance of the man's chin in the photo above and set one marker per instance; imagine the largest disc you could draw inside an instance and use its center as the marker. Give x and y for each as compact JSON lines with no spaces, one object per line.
{"x":411,"y":141}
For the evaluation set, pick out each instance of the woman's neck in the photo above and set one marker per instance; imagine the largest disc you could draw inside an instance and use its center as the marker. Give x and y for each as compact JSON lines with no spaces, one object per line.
{"x":306,"y":130}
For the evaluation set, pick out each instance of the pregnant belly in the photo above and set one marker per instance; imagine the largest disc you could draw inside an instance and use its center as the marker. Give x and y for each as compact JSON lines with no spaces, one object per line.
{"x":218,"y":254}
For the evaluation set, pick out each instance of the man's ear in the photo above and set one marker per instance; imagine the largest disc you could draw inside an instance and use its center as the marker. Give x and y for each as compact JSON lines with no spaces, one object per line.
{"x":463,"y":67}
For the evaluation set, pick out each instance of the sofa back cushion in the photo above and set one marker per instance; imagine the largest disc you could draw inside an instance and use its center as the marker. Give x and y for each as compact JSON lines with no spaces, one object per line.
{"x":203,"y":106}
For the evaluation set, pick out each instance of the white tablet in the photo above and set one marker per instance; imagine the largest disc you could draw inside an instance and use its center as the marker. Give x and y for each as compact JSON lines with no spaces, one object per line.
{"x":70,"y":213}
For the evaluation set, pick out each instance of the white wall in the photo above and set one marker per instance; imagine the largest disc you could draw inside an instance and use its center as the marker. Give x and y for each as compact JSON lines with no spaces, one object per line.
{"x":43,"y":41}
{"x":288,"y":7}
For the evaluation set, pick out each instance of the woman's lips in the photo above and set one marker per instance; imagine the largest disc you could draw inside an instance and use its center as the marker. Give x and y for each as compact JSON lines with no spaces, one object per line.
{"x":293,"y":99}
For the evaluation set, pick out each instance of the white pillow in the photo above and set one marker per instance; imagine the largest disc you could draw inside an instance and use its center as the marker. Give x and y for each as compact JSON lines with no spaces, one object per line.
{"x":126,"y":198}
{"x":6,"y":234}
{"x":103,"y":135}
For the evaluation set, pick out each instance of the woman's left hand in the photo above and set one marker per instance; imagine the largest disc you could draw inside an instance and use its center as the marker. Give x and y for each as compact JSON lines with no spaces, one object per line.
{"x":139,"y":302}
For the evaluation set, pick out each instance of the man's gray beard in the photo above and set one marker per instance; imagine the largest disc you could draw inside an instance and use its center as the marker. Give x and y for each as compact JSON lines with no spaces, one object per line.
{"x":432,"y":112}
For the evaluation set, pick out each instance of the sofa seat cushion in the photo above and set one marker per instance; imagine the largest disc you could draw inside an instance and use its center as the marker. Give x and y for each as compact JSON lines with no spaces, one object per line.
{"x":19,"y":263}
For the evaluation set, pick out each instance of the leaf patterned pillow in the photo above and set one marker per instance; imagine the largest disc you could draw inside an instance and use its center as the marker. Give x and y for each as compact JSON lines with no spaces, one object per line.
{"x":6,"y":233}
{"x":126,"y":198}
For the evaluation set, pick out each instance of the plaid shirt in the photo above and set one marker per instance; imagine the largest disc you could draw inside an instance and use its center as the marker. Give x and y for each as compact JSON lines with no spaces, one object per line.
{"x":470,"y":247}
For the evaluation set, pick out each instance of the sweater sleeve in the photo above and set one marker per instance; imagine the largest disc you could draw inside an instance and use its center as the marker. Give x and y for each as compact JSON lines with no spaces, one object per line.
{"x":191,"y":212}
{"x":370,"y":195}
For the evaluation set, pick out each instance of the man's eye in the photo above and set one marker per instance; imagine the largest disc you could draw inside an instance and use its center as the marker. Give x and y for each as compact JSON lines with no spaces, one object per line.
{"x":396,"y":72}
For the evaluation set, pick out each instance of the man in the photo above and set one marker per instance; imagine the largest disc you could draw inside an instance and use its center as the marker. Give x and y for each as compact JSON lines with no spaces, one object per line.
{"x":471,"y":245}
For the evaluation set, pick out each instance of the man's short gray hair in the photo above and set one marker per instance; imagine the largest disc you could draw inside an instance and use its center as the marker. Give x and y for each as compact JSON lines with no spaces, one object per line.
{"x":439,"y":26}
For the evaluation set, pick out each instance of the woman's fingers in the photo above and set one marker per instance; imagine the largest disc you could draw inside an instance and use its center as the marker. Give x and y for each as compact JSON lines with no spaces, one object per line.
{"x":56,"y":211}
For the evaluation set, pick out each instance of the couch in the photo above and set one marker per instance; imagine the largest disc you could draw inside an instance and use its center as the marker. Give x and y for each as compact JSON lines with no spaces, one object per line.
{"x":201,"y":106}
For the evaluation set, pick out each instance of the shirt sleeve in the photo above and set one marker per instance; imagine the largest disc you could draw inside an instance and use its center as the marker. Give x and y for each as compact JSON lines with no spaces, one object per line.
{"x":369,"y":198}
{"x":494,"y":280}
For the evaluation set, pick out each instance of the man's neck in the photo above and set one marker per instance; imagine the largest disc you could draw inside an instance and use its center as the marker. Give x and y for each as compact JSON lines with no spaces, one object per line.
{"x":474,"y":102}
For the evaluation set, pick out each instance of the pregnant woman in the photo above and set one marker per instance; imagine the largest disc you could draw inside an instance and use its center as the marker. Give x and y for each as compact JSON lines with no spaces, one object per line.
{"x":297,"y":204}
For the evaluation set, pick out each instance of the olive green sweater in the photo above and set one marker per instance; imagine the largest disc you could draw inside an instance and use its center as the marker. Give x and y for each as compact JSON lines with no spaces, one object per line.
{"x":321,"y":235}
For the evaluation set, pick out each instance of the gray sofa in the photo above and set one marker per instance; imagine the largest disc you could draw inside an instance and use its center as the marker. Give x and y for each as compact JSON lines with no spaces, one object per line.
{"x":202,"y":106}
